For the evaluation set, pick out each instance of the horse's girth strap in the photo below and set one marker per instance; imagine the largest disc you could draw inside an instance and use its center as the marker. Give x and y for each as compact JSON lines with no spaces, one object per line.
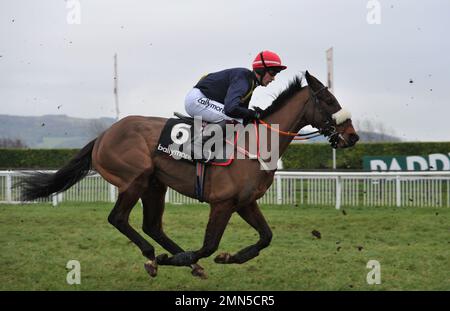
{"x":199,"y":180}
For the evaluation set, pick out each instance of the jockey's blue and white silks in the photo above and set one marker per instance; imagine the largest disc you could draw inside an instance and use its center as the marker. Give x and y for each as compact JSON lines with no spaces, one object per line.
{"x":225,"y":95}
{"x":197,"y":104}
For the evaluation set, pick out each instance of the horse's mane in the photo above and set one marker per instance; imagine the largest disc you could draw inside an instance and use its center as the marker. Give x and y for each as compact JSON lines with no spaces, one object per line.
{"x":293,"y":88}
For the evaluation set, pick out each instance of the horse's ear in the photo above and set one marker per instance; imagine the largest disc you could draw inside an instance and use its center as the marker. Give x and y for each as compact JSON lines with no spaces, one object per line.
{"x":312,"y":81}
{"x":308,"y":77}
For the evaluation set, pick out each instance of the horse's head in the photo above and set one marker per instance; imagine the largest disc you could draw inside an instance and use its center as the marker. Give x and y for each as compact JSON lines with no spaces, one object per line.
{"x":326,"y":114}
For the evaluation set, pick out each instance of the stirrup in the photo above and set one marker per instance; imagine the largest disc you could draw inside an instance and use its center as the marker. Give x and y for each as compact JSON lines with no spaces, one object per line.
{"x":204,"y":161}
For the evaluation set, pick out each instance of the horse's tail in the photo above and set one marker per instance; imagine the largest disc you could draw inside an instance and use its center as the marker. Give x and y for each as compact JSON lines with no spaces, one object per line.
{"x":39,"y":185}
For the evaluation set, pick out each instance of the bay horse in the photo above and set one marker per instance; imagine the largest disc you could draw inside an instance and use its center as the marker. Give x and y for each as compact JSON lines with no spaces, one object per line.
{"x":124,"y":155}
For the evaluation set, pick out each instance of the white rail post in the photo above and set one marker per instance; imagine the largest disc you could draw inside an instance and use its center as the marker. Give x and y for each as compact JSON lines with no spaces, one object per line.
{"x":8,"y":188}
{"x":398,"y":191}
{"x":279,"y":192}
{"x":54,"y":199}
{"x":60,"y":197}
{"x":338,"y":192}
{"x":167,"y":196}
{"x":112,"y":193}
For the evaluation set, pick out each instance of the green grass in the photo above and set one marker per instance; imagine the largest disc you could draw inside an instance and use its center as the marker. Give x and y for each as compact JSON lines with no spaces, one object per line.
{"x":411,"y":244}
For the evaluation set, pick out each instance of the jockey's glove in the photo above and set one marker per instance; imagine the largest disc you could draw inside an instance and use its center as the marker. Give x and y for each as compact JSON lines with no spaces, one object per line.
{"x":255,"y":113}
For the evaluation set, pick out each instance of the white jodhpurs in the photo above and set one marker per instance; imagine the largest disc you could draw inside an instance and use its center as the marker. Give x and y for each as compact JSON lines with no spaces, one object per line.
{"x":198,"y":105}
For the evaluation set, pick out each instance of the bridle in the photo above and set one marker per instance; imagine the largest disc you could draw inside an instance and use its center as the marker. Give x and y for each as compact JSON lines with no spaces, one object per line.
{"x":328,"y":130}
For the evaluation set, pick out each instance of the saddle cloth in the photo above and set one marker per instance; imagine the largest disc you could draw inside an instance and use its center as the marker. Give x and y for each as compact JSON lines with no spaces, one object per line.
{"x":175,"y":142}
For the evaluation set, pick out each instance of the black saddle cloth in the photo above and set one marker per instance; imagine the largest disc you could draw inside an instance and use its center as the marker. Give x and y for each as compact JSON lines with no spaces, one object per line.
{"x":175,"y":141}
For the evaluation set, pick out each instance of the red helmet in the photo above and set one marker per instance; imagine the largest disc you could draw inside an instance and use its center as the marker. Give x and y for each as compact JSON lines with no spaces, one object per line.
{"x":267,"y":59}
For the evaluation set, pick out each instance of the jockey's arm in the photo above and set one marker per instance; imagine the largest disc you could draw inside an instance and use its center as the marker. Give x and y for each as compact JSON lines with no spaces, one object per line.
{"x":232,"y":104}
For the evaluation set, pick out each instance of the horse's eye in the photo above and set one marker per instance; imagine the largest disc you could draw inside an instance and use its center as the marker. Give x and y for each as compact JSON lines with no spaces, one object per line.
{"x":329,"y":101}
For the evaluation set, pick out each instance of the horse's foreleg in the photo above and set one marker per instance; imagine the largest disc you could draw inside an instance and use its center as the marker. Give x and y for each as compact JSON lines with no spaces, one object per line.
{"x":253,"y":216}
{"x":119,"y":218}
{"x":218,"y":219}
{"x":153,"y":208}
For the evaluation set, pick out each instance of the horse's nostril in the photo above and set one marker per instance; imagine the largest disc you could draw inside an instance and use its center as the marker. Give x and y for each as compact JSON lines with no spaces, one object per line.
{"x":353,"y":138}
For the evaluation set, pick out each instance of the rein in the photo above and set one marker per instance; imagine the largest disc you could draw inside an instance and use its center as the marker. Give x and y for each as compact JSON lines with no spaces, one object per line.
{"x":329,"y":130}
{"x":298,"y":136}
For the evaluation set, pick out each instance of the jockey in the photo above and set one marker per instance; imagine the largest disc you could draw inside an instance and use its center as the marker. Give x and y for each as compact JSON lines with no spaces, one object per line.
{"x":225,"y":95}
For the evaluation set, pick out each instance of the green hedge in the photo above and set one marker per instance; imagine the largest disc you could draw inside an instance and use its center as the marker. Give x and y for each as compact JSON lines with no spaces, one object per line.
{"x":34,"y":158}
{"x":319,"y":156}
{"x":298,"y":156}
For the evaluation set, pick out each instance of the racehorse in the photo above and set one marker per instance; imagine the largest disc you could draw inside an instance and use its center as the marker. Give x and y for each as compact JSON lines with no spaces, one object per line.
{"x":124,"y":155}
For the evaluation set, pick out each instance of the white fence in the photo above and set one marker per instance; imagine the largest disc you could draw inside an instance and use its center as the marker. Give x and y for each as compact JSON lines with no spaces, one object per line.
{"x":427,"y":189}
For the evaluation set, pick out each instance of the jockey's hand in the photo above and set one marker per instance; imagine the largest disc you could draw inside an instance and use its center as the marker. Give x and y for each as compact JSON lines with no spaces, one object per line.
{"x":257,"y":109}
{"x":254,"y":115}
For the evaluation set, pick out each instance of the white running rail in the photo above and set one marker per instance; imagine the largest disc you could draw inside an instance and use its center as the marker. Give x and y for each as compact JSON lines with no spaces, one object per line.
{"x":427,"y":189}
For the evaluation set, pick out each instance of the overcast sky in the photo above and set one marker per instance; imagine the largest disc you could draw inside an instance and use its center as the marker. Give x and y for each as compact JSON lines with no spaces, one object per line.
{"x":49,"y":66}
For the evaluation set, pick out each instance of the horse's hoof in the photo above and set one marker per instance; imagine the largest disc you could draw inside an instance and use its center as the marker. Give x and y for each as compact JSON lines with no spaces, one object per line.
{"x":199,"y":272}
{"x":222,"y":258}
{"x":162,"y":259}
{"x":151,"y":267}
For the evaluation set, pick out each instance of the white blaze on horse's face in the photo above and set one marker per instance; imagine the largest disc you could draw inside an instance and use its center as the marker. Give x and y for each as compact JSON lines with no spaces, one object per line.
{"x":341,"y":116}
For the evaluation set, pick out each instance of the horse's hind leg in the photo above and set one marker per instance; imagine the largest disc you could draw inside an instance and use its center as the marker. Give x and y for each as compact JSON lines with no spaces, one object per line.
{"x":253,"y":216}
{"x":153,"y":208}
{"x":119,"y":217}
{"x":218,"y":219}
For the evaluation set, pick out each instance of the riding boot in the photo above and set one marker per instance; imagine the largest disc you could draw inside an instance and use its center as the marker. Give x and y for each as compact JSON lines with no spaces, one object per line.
{"x":199,"y":140}
{"x":215,"y":127}
{"x":197,"y":146}
{"x":215,"y":149}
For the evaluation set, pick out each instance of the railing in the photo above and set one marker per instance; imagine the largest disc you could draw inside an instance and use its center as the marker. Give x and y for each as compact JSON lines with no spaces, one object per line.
{"x":430,"y":188}
{"x":93,"y":188}
{"x":290,"y":187}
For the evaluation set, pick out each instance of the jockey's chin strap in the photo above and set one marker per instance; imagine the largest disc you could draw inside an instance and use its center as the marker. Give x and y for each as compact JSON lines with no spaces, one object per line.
{"x":260,"y":80}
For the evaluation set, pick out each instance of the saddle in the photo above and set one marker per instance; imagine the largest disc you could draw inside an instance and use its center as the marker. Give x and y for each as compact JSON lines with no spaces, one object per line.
{"x":183,"y":117}
{"x":176,"y":141}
